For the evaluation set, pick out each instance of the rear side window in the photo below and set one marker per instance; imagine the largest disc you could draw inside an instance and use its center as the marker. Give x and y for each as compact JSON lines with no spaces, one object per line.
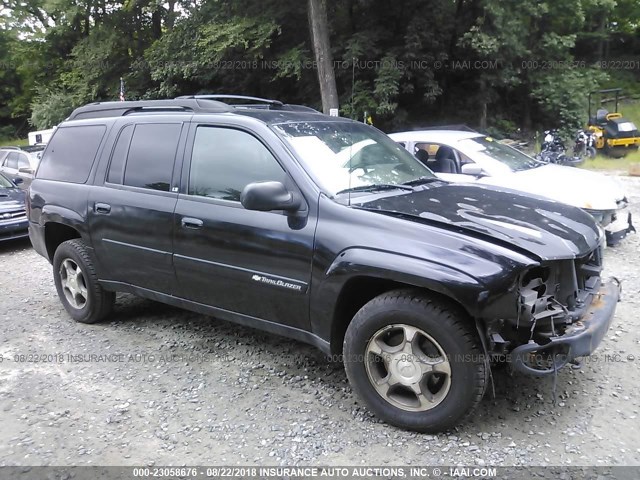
{"x":151,"y":156}
{"x":71,"y":153}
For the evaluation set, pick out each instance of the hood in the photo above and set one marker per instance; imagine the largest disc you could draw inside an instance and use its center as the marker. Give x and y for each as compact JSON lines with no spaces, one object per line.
{"x":11,"y":199}
{"x":549,"y":230}
{"x":574,"y":186}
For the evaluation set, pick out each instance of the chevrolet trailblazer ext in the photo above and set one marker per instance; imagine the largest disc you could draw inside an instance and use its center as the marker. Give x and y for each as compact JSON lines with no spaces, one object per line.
{"x":323,"y":230}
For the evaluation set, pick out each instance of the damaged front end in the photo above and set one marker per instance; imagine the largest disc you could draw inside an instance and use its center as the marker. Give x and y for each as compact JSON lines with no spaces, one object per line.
{"x":564,"y":311}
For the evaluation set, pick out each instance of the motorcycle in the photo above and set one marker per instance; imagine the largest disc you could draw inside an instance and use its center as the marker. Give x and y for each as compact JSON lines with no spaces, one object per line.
{"x":584,"y":145}
{"x":553,"y":150}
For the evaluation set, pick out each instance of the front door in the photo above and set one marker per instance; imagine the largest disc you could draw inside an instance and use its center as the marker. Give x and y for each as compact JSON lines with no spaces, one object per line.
{"x":256,"y":264}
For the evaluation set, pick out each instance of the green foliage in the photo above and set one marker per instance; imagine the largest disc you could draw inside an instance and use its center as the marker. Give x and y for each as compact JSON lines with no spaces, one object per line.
{"x":9,"y":84}
{"x":61,"y":53}
{"x":562,"y":97}
{"x":201,"y":52}
{"x":52,"y":107}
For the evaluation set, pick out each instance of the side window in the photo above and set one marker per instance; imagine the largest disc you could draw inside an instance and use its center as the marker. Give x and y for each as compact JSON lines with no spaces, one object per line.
{"x":12,"y":160}
{"x":71,"y":153}
{"x":464,"y":160}
{"x":430,"y":148}
{"x":120,"y":152}
{"x":152,"y":153}
{"x":224,"y":161}
{"x":23,"y":162}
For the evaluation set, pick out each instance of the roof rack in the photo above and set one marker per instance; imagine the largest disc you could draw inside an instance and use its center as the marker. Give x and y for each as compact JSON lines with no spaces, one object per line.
{"x":248,"y":102}
{"x":221,"y":97}
{"x":186,"y":104}
{"x":119,"y":109}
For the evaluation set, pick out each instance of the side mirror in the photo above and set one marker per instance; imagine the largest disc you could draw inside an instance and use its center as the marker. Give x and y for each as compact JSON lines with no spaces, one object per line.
{"x":26,"y":170}
{"x":268,"y":196}
{"x":472,"y":169}
{"x":18,"y":181}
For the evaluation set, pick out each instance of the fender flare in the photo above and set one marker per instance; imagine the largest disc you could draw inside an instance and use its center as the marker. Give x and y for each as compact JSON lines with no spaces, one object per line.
{"x":65,"y":216}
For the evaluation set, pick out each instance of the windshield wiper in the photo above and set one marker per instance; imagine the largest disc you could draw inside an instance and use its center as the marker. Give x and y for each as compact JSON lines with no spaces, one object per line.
{"x":376,"y":186}
{"x":421,"y":181}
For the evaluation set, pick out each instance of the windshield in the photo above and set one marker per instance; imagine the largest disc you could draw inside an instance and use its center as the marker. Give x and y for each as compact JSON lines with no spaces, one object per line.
{"x":5,"y":183}
{"x":346,"y":155}
{"x":512,"y":158}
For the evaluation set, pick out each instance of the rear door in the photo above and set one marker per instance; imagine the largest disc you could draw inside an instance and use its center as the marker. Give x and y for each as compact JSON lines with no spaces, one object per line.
{"x":25,"y":169}
{"x":257,"y":264}
{"x":132,"y":205}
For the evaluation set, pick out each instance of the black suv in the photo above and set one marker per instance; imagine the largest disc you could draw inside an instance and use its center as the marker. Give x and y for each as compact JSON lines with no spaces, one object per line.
{"x":323,"y":230}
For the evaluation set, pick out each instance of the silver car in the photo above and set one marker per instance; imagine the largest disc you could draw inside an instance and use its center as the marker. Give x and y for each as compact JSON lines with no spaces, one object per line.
{"x":16,"y":163}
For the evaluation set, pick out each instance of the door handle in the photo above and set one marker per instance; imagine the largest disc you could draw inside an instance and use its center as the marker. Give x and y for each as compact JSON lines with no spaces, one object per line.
{"x":194,"y":223}
{"x":103,"y":208}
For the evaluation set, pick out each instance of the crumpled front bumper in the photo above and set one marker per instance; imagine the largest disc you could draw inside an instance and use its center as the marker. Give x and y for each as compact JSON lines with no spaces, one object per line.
{"x":580,"y":339}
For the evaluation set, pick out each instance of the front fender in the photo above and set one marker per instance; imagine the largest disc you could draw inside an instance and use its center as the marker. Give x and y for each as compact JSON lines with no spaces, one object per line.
{"x":462,"y":287}
{"x":419,"y":272}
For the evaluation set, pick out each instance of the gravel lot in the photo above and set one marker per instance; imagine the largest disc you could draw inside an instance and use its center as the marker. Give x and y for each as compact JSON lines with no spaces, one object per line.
{"x":169,"y":387}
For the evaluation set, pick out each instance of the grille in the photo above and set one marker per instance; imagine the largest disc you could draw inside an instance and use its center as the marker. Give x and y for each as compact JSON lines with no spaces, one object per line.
{"x":14,"y":215}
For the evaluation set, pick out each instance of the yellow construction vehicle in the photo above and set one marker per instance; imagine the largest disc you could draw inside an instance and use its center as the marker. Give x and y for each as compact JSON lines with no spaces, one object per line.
{"x":615,"y":135}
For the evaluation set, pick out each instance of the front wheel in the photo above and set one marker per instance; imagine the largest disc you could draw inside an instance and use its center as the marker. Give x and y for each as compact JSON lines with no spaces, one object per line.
{"x":414,"y":361}
{"x":76,"y":281}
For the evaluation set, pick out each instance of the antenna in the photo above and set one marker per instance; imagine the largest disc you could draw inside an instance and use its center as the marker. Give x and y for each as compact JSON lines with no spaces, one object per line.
{"x":353,"y":88}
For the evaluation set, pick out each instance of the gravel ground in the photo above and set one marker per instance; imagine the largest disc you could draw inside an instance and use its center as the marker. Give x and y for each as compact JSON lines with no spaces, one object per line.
{"x":169,"y":387}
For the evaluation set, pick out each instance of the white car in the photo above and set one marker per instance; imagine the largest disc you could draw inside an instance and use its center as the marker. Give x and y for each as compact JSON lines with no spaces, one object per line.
{"x":464,"y":156}
{"x":18,"y":163}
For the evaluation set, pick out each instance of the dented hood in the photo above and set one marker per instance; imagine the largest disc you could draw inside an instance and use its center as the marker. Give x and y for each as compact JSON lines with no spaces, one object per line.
{"x":547,"y":229}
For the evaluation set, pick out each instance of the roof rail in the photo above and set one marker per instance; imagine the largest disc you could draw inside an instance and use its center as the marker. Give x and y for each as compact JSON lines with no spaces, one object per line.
{"x":187,"y":104}
{"x":119,"y":109}
{"x":222,"y":97}
{"x":251,"y":102}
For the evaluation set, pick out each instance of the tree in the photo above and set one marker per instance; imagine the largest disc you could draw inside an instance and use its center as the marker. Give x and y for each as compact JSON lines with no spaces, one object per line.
{"x":319,"y":27}
{"x":9,"y":83}
{"x":416,"y":64}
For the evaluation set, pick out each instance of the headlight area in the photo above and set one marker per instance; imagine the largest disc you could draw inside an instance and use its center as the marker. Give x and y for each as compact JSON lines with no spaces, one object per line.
{"x":554,"y":302}
{"x":617,"y":223}
{"x":603,"y":217}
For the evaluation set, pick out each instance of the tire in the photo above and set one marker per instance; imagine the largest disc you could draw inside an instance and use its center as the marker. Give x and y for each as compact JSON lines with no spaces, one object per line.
{"x":591,"y":152}
{"x":617,"y":152}
{"x":439,"y":333}
{"x":76,"y":281}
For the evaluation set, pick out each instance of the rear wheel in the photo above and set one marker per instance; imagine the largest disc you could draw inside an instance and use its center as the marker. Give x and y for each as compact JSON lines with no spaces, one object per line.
{"x":76,"y":281}
{"x":414,"y":361}
{"x":617,"y":152}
